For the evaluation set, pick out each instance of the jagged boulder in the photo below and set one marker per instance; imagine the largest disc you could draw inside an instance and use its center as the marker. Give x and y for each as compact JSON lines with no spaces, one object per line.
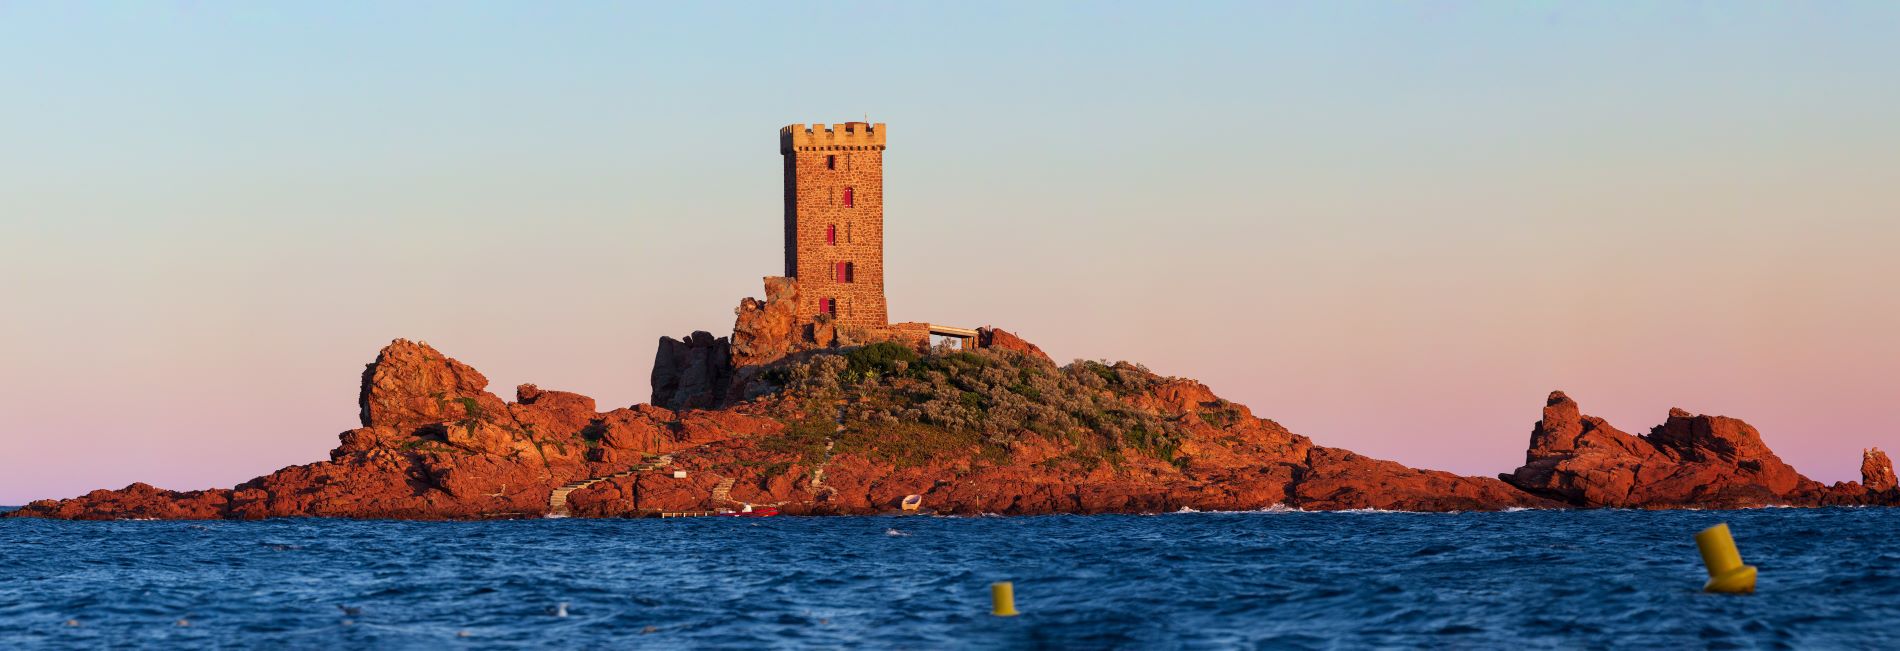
{"x":1689,"y":459}
{"x":1578,"y":459}
{"x":692,"y":372}
{"x":435,"y":444}
{"x":766,"y":331}
{"x":411,"y":384}
{"x":1725,"y":448}
{"x":1876,"y":471}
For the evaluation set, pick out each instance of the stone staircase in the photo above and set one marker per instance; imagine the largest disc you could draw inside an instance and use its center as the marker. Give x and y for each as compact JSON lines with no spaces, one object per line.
{"x":818,"y":474}
{"x":723,"y":491}
{"x":557,"y":501}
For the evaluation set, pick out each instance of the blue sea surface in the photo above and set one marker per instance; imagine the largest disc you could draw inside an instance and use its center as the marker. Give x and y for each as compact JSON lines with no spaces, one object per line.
{"x":1830,"y":578}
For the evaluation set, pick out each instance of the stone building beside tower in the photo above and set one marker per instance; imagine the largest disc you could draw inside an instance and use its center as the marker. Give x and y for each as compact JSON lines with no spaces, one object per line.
{"x":832,"y":293}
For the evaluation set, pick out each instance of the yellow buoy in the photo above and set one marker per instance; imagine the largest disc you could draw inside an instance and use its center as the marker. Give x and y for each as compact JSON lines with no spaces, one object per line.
{"x":1003,"y":599}
{"x":1726,"y":571}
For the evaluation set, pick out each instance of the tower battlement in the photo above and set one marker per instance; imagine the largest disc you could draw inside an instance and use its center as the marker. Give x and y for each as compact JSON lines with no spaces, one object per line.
{"x":836,"y":137}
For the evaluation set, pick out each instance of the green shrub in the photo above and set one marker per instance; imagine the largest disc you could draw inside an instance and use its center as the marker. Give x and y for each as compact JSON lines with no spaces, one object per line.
{"x":772,"y":470}
{"x":879,"y":359}
{"x":472,"y":413}
{"x":1222,"y":414}
{"x":907,"y":444}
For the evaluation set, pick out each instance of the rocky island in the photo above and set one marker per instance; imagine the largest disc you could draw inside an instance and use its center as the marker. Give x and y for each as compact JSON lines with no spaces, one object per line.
{"x":775,"y":416}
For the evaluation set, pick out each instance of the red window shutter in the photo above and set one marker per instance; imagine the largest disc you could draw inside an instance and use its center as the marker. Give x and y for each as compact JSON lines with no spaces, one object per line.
{"x":831,"y":234}
{"x":847,"y":197}
{"x":839,"y":275}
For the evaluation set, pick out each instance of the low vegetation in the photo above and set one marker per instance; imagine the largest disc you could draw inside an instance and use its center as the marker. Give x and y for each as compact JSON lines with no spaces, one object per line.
{"x":907,"y":407}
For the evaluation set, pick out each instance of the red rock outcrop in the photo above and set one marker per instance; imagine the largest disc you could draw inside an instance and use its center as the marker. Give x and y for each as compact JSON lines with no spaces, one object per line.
{"x":137,"y":501}
{"x":1689,"y":460}
{"x":435,"y":444}
{"x":1876,"y":471}
{"x":1001,"y":339}
{"x":411,"y":384}
{"x":766,"y":331}
{"x":1341,"y":479}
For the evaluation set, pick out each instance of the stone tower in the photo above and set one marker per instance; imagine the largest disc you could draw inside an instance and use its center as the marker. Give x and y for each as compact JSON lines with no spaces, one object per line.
{"x":834,"y":220}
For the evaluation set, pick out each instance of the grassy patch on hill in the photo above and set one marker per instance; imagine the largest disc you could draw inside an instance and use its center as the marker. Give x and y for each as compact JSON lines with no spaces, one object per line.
{"x":806,"y":437}
{"x":909,"y":408}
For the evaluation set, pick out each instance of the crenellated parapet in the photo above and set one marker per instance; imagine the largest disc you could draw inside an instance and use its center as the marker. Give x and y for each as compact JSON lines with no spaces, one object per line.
{"x":838,"y":137}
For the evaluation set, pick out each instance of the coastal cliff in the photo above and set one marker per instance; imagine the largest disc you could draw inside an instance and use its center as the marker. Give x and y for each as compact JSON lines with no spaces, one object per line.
{"x":831,"y":425}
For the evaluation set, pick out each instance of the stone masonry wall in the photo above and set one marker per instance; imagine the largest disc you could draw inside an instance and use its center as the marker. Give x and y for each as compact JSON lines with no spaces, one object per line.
{"x":820,"y":164}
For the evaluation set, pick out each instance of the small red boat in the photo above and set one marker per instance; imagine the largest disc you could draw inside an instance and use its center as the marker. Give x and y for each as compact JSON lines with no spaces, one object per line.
{"x":749,"y":512}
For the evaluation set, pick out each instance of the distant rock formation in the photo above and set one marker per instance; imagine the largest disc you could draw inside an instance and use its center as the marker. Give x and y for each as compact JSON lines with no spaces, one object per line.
{"x":1689,"y":460}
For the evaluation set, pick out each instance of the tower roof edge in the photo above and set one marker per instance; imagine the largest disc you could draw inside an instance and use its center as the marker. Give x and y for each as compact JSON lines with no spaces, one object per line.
{"x":796,"y":136}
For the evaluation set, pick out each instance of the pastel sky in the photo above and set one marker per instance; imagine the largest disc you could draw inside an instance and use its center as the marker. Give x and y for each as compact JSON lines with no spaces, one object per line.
{"x":1393,"y":227}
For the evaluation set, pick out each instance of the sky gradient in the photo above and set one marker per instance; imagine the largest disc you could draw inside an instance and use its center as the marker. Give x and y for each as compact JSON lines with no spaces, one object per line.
{"x":1393,"y":227}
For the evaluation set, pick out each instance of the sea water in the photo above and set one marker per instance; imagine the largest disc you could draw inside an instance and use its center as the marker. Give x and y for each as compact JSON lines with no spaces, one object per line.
{"x":1830,"y":578}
